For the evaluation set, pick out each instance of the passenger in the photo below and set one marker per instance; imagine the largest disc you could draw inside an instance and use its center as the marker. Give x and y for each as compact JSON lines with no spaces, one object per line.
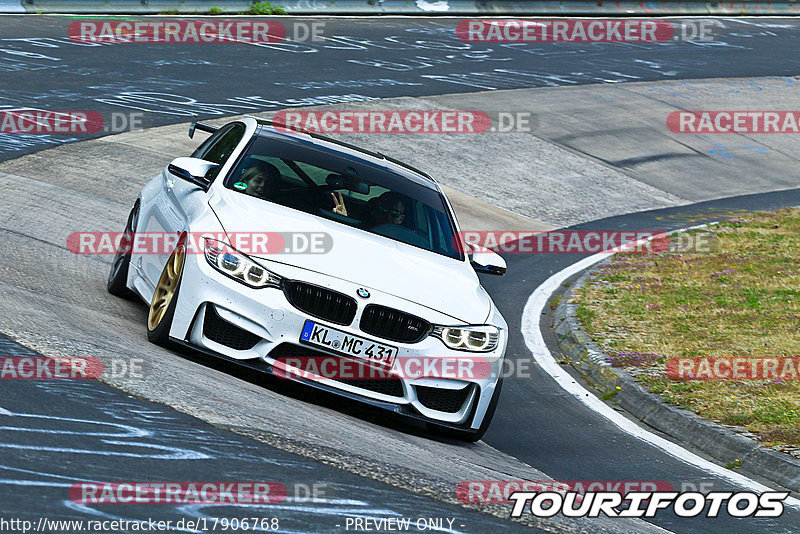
{"x":338,"y":204}
{"x":388,"y":208}
{"x":259,"y":180}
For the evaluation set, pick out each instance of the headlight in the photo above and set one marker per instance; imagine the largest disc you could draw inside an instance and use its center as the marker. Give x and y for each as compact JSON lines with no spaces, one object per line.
{"x":470,"y":338}
{"x":233,"y":263}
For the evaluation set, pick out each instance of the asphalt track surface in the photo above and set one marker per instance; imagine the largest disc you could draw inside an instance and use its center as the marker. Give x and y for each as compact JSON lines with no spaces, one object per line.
{"x":535,"y":421}
{"x":40,"y":67}
{"x":61,"y":433}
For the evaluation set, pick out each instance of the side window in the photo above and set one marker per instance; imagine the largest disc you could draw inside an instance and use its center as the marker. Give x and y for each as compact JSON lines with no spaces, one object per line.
{"x":219,"y":147}
{"x":213,"y":138}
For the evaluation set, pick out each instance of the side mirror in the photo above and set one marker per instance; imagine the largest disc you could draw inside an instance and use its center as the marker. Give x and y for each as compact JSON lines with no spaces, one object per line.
{"x":192,"y":170}
{"x":486,"y":261}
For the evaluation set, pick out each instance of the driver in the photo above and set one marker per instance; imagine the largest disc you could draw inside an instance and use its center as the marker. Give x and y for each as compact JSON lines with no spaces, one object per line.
{"x":388,"y":208}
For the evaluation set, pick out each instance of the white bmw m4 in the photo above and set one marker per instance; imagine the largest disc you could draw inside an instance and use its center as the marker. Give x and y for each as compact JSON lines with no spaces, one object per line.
{"x":369,"y":292}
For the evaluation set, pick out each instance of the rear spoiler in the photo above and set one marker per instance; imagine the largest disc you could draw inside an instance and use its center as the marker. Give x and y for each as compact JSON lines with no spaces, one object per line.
{"x":200,"y":126}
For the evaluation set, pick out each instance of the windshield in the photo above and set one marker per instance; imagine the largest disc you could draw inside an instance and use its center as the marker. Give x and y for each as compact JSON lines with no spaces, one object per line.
{"x":347,"y":190}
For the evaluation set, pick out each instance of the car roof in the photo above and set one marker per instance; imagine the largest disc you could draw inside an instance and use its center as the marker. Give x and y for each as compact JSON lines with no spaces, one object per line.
{"x":269,"y":129}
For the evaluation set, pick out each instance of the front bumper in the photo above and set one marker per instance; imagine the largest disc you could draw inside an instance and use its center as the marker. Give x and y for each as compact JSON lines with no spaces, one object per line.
{"x":261,"y":324}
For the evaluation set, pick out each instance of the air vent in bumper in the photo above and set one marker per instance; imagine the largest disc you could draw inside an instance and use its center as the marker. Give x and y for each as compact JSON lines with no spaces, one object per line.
{"x":443,"y":400}
{"x":221,"y":331}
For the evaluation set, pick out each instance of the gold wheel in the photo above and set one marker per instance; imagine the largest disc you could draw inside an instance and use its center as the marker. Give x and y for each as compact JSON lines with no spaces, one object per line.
{"x":166,"y":288}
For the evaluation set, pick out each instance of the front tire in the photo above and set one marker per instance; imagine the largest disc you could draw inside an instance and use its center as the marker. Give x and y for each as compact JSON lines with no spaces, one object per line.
{"x":470,"y":436}
{"x":165,"y":297}
{"x":117,"y":283}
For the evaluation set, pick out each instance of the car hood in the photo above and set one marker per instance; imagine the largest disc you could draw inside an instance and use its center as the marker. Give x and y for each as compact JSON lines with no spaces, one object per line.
{"x":377,"y":263}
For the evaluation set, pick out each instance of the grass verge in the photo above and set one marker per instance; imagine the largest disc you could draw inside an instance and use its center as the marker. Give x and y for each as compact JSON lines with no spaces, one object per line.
{"x":740,"y":300}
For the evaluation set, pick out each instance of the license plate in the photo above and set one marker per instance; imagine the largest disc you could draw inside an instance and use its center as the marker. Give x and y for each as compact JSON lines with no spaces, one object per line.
{"x":355,"y":346}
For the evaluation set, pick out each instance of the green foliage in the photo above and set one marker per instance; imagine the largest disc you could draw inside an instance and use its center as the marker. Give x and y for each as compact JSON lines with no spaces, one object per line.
{"x":266,"y":8}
